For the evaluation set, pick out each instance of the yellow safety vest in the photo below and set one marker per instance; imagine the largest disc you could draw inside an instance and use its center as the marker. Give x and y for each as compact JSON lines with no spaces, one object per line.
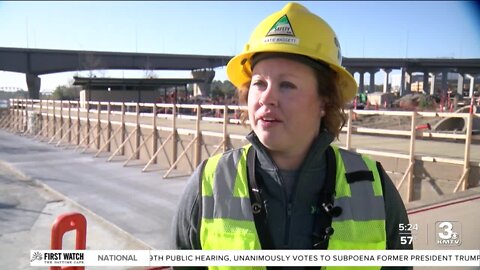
{"x":227,"y":221}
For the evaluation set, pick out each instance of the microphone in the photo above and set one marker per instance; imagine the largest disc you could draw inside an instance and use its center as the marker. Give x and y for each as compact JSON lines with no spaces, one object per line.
{"x":329,"y":231}
{"x":321,"y":239}
{"x":333,"y":211}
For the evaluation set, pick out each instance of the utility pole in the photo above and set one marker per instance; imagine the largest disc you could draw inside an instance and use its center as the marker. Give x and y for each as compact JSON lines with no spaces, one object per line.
{"x":406,"y":47}
{"x":27,"y":31}
{"x":136,"y":39}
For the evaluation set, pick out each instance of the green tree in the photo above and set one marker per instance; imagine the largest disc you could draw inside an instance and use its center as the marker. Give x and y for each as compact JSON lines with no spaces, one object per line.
{"x":64,"y":92}
{"x":229,"y":89}
{"x":216,"y":91}
{"x":222,"y":89}
{"x":20,"y":94}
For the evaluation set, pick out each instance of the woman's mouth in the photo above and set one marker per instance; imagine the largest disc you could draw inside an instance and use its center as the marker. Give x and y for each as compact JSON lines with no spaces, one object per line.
{"x":267,"y":122}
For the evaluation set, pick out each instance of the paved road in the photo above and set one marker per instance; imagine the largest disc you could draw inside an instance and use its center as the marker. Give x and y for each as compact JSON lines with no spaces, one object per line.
{"x":140,"y":203}
{"x":27,"y":212}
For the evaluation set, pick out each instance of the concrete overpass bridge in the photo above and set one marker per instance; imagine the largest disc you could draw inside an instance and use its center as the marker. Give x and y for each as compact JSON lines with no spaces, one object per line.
{"x":35,"y":62}
{"x":430,"y":67}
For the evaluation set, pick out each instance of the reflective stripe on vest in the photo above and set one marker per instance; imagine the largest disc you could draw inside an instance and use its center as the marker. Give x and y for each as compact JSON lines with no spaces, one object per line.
{"x":362,"y":222}
{"x":227,"y":221}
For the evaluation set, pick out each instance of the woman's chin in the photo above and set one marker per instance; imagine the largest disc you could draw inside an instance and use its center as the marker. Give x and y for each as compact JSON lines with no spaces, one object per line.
{"x":271,"y":141}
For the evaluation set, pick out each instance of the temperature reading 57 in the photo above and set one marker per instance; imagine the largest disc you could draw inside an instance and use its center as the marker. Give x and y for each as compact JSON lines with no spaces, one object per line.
{"x":406,"y":240}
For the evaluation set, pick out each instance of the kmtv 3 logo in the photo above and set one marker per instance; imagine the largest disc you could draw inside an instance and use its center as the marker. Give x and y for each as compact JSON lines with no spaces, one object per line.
{"x":448,"y":233}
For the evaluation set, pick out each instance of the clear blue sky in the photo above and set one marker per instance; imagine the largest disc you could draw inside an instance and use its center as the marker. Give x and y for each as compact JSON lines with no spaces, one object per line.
{"x":424,"y":29}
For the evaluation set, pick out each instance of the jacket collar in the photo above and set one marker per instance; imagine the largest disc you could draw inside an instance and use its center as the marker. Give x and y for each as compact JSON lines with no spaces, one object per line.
{"x":313,"y":159}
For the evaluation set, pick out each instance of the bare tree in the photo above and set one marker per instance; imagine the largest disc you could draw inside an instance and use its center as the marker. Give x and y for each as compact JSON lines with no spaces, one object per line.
{"x":149,"y":72}
{"x":91,"y":63}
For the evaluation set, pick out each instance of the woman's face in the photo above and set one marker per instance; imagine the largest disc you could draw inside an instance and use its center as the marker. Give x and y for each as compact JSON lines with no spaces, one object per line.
{"x":284,"y":107}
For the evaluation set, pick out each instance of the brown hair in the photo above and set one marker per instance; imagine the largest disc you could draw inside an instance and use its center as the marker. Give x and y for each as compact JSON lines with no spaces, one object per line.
{"x":328,"y":89}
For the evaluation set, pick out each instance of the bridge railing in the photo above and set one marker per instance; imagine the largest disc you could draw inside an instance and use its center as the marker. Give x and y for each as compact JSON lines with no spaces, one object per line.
{"x":175,"y":138}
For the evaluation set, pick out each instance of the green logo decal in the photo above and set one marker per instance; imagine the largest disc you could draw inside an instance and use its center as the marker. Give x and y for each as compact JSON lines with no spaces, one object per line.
{"x":281,"y":28}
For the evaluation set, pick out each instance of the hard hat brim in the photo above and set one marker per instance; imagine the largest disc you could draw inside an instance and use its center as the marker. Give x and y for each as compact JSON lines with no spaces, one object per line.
{"x":239,"y":73}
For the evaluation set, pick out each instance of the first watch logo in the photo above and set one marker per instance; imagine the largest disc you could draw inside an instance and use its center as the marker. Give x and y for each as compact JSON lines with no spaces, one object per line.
{"x":448,"y":233}
{"x":40,"y":257}
{"x":36,"y":256}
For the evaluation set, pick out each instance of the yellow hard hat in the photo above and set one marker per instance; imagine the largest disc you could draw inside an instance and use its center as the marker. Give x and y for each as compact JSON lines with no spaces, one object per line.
{"x":294,"y":30}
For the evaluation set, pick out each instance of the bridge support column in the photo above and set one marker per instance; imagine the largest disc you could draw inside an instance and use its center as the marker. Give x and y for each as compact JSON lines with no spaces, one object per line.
{"x":403,"y":72}
{"x":425,"y":81}
{"x":361,"y":83}
{"x":472,"y":83}
{"x":385,"y":82}
{"x":372,"y":81}
{"x":33,"y":84}
{"x":460,"y":84}
{"x":408,"y":82}
{"x":444,"y":83}
{"x":203,"y":88}
{"x":432,"y":84}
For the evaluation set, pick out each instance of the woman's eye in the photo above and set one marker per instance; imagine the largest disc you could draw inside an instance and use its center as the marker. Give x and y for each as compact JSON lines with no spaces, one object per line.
{"x":287,"y":85}
{"x":258,"y":83}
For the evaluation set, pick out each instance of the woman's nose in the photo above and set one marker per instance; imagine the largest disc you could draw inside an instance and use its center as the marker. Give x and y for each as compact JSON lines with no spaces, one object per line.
{"x":269,"y":96}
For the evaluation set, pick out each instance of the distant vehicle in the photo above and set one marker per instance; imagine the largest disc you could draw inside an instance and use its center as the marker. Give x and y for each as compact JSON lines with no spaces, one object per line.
{"x":3,"y":104}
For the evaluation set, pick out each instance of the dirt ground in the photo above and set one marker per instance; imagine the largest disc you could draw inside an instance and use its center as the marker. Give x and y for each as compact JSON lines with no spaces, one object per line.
{"x":393,"y":122}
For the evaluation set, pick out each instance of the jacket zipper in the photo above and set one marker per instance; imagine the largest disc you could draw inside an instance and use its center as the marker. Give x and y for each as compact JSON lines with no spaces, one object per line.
{"x":293,"y":196}
{"x":288,"y":211}
{"x":287,"y":225}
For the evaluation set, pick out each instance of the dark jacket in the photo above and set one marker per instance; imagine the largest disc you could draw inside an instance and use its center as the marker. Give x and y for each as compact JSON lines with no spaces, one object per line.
{"x":290,"y":223}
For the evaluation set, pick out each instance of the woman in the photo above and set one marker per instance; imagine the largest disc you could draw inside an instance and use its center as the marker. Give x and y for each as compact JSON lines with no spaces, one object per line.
{"x":289,"y":188}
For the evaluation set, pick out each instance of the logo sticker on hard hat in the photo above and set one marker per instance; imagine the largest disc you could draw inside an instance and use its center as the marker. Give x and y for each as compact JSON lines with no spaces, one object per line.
{"x":281,"y":32}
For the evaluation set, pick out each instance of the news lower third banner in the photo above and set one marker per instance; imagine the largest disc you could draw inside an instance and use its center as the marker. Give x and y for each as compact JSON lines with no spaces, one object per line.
{"x":255,"y":258}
